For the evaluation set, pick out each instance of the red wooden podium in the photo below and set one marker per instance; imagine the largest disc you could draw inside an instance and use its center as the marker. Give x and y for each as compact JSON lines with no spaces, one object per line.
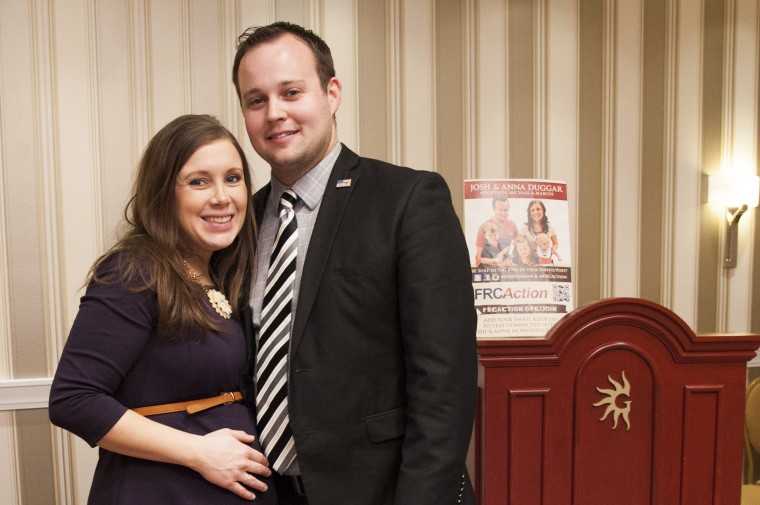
{"x":621,"y":404}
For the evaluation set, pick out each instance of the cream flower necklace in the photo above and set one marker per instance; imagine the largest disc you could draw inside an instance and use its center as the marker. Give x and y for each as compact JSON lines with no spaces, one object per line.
{"x":218,"y":301}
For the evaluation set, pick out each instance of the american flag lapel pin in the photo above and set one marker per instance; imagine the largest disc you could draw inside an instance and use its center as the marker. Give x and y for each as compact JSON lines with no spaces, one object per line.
{"x":343,"y":183}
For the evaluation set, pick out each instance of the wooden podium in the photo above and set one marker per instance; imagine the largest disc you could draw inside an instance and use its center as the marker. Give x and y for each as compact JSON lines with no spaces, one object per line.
{"x":621,"y":404}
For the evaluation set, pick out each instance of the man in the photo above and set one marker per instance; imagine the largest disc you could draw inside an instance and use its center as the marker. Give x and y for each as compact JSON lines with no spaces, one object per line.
{"x":381,"y":367}
{"x":507,"y":228}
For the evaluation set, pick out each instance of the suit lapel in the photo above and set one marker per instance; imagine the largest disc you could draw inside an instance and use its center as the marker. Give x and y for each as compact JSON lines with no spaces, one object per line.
{"x":331,"y":211}
{"x":260,"y":203}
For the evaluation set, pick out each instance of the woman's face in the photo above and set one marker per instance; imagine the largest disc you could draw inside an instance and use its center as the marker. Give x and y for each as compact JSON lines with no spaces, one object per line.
{"x":211,"y":198}
{"x":536,"y":212}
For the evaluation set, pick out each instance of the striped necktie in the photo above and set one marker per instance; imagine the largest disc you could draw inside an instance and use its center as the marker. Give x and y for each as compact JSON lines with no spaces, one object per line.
{"x":274,"y":338}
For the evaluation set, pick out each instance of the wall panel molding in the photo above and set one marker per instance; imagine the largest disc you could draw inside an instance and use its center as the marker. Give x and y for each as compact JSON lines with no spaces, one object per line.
{"x":541,"y":34}
{"x":608,"y":155}
{"x":491,"y":109}
{"x":10,"y":492}
{"x":339,"y":29}
{"x":95,"y":122}
{"x":562,"y":88}
{"x":469,"y":34}
{"x":625,"y":224}
{"x":687,"y":161}
{"x":727,"y":132}
{"x":743,"y":153}
{"x":21,"y":394}
{"x":418,"y":85}
{"x":669,"y":154}
{"x":394,"y":52}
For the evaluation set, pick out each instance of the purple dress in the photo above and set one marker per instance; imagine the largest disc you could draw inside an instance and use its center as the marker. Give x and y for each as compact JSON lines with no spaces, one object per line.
{"x":112,"y":361}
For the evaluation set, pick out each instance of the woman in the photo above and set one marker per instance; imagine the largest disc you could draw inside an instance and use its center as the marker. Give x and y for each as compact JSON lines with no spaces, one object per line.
{"x":156,"y":327}
{"x":537,"y":223}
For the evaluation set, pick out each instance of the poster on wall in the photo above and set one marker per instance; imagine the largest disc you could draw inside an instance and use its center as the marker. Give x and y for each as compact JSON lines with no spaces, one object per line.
{"x":518,"y":236}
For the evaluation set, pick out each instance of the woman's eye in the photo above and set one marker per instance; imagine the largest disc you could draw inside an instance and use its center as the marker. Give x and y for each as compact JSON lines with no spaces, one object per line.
{"x":195,"y":182}
{"x":232,"y":179}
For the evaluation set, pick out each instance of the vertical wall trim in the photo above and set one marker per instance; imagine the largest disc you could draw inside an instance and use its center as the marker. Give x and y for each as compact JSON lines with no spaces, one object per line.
{"x":709,"y":248}
{"x":540,"y":95}
{"x":186,"y":50}
{"x":507,"y":94}
{"x":609,"y":100}
{"x":744,"y":131}
{"x":5,"y":305}
{"x":433,"y":87}
{"x":340,"y":30}
{"x":230,"y":13}
{"x":727,"y":135}
{"x":355,"y":96}
{"x":140,"y":65}
{"x":469,"y":89}
{"x":45,"y":126}
{"x":5,"y":330}
{"x":625,"y":264}
{"x":689,"y":118}
{"x":669,"y":154}
{"x":752,"y":238}
{"x":315,"y":14}
{"x":491,"y":67}
{"x":63,"y":467}
{"x":590,"y":148}
{"x":418,"y":87}
{"x":522,"y":94}
{"x":754,"y":300}
{"x":576,"y":181}
{"x":395,"y":124}
{"x":10,"y":461}
{"x":95,"y":123}
{"x":45,"y":159}
{"x":729,"y":48}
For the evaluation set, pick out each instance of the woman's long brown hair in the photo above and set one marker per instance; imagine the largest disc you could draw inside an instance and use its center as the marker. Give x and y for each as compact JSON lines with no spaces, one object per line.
{"x":149,"y":254}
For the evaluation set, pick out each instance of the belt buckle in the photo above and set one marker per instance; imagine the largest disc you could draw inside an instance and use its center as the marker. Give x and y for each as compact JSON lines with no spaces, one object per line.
{"x":298,"y":485}
{"x":232,"y":397}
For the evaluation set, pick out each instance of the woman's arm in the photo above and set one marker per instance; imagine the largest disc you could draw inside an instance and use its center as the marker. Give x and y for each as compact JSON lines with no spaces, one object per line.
{"x":108,"y":338}
{"x":221,"y":457}
{"x":555,"y":246}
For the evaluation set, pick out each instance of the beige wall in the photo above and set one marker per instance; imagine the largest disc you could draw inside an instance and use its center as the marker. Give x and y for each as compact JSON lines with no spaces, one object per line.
{"x":631,"y":102}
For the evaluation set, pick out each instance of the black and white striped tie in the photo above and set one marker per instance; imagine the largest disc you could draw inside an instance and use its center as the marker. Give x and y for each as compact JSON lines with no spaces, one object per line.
{"x":274,"y":337}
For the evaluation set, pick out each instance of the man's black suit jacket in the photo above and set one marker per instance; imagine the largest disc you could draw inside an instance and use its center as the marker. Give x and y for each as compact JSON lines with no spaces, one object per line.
{"x":383,"y":359}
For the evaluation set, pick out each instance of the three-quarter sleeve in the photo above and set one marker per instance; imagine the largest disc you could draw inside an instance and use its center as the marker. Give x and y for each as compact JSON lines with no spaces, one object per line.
{"x":110,"y":332}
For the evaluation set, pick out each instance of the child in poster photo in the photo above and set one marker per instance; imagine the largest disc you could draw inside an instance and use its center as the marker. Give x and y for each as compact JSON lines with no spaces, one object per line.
{"x":495,"y":250}
{"x":544,"y":250}
{"x":524,"y":255}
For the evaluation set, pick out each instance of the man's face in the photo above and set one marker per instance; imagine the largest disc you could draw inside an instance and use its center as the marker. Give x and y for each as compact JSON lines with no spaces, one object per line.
{"x":288,"y":115}
{"x":501,"y":210}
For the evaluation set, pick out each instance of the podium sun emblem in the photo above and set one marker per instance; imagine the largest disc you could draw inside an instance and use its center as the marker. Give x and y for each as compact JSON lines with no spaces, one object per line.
{"x":611,"y":401}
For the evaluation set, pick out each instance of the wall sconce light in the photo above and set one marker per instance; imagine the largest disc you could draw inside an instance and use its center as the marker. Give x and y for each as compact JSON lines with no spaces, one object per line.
{"x":736,"y":192}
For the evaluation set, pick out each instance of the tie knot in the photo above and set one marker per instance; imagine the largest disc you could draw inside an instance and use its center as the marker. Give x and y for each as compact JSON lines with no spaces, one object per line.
{"x":288,"y":199}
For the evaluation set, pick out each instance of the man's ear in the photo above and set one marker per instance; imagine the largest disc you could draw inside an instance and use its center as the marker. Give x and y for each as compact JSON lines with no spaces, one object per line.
{"x":334,"y":89}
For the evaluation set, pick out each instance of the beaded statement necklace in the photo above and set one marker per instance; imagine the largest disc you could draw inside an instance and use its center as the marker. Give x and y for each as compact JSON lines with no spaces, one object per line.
{"x":215,"y":296}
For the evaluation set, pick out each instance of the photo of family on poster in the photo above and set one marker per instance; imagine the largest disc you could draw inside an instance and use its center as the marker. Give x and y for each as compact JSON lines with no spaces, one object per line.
{"x":518,"y":236}
{"x":501,"y":242}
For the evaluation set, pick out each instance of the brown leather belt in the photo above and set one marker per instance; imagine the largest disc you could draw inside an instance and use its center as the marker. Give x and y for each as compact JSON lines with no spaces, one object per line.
{"x":192,"y":406}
